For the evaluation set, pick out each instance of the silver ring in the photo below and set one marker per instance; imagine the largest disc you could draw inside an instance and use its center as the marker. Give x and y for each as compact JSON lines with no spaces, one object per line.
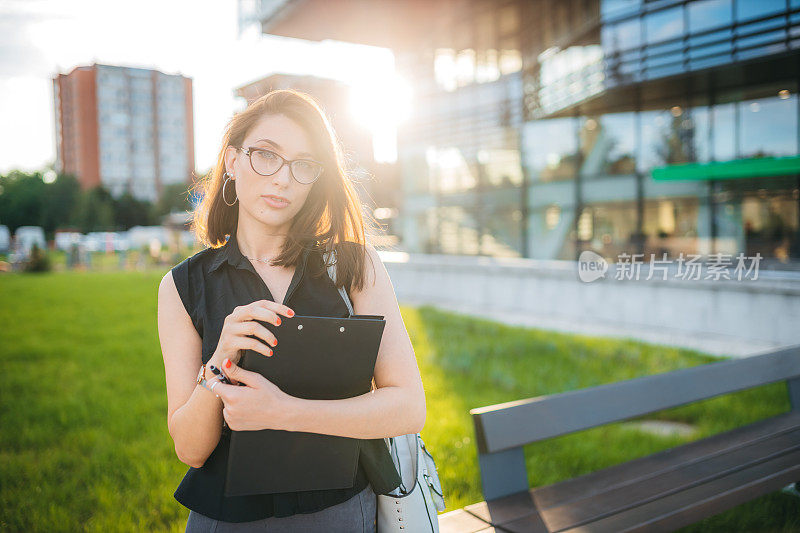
{"x":213,"y":385}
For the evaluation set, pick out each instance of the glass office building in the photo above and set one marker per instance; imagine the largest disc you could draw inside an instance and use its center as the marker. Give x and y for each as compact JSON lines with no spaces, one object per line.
{"x":672,"y":128}
{"x":542,"y":129}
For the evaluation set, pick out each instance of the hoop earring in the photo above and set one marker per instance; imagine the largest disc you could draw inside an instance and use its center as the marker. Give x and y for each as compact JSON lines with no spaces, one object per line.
{"x":227,"y":179}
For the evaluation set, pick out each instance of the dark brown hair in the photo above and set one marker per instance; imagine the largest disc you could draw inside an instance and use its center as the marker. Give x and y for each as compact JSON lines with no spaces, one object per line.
{"x":332,"y":213}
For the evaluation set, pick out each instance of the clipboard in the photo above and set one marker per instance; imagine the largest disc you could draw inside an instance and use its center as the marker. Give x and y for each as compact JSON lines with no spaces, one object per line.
{"x":320,"y":358}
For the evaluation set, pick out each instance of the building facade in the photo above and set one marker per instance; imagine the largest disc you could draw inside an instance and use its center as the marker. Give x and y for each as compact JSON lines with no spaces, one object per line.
{"x":127,"y":129}
{"x":665,"y":127}
{"x":545,"y":128}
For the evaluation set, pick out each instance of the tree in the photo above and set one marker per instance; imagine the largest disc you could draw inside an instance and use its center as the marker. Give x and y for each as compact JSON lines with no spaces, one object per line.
{"x":94,"y":211}
{"x":21,"y":199}
{"x":129,"y":212}
{"x":59,"y":202}
{"x":27,"y":200}
{"x":174,"y":197}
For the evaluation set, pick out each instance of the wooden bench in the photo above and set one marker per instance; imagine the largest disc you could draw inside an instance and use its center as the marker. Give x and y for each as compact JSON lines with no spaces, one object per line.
{"x":660,"y":492}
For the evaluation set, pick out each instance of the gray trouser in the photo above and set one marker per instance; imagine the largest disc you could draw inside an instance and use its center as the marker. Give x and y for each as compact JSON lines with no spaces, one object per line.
{"x":359,"y":513}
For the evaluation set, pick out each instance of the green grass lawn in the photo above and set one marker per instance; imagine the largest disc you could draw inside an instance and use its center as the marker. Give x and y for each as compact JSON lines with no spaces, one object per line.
{"x":84,"y":440}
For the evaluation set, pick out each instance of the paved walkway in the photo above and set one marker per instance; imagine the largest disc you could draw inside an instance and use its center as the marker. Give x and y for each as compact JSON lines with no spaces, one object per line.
{"x":712,"y":344}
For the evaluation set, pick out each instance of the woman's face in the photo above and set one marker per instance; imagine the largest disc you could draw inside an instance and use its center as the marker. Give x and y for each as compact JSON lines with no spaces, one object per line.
{"x":286,"y":138}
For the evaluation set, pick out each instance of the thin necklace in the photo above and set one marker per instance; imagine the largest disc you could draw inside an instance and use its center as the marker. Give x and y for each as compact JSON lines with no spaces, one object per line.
{"x":265,"y":261}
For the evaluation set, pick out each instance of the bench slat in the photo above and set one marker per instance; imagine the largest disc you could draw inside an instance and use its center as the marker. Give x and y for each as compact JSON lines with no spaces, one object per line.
{"x":567,"y":503}
{"x":512,"y":424}
{"x":593,"y":482}
{"x":689,"y":506}
{"x":659,"y":488}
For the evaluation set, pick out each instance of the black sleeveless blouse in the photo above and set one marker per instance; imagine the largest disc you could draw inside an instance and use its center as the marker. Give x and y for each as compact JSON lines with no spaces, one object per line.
{"x":211,"y":283}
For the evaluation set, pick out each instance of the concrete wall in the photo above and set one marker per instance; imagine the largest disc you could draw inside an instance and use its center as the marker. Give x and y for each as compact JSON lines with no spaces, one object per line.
{"x":724,"y":317}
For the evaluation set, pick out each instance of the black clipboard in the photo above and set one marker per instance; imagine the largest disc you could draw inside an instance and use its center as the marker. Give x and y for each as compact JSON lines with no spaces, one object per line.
{"x":321,"y":358}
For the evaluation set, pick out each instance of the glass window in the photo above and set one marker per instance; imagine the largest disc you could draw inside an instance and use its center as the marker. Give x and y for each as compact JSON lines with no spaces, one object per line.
{"x":501,"y":168}
{"x":724,"y":134}
{"x":769,"y":218}
{"x":551,"y":232}
{"x":670,"y":226}
{"x":622,"y":36}
{"x":753,"y":40}
{"x":750,"y":9}
{"x":669,"y":137}
{"x":715,"y":37}
{"x":416,"y":171}
{"x":616,"y":7}
{"x":748,"y":28}
{"x":501,"y":232}
{"x":550,"y":149}
{"x":608,"y":143}
{"x":721,"y":51}
{"x":663,"y":25}
{"x":709,"y":14}
{"x":675,"y":60}
{"x":675,"y":47}
{"x":768,"y":126}
{"x":607,"y":229}
{"x":457,"y":230}
{"x":449,"y":170}
{"x":700,"y":117}
{"x":425,"y":231}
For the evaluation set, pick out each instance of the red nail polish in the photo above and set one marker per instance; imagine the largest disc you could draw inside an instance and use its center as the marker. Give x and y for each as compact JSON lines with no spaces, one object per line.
{"x":270,"y":352}
{"x":290,"y":312}
{"x":227,"y":363}
{"x":279,"y":321}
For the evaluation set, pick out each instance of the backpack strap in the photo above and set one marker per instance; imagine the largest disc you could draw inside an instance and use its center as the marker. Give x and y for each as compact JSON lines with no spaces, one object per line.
{"x":332,"y":275}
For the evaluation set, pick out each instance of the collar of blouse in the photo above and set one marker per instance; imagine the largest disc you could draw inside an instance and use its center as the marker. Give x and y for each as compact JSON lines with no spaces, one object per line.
{"x":231,"y":254}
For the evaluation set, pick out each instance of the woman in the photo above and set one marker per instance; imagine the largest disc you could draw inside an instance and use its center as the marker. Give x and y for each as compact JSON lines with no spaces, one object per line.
{"x":279,"y":190}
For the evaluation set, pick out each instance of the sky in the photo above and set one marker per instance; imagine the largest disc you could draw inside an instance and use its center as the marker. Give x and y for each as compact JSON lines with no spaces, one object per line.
{"x":198,"y":39}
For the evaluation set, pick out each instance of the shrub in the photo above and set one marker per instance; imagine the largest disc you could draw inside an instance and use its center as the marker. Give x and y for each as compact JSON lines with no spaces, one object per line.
{"x":38,"y":262}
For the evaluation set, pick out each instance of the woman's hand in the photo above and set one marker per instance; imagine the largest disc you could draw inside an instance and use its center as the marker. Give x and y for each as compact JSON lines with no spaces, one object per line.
{"x":258,"y":405}
{"x":242,"y":322}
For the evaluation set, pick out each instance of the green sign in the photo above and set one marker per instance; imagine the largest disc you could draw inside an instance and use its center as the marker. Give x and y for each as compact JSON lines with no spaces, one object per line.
{"x":724,"y":170}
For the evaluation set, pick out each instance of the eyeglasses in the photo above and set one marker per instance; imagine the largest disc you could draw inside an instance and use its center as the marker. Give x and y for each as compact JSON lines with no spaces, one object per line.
{"x":266,"y":163}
